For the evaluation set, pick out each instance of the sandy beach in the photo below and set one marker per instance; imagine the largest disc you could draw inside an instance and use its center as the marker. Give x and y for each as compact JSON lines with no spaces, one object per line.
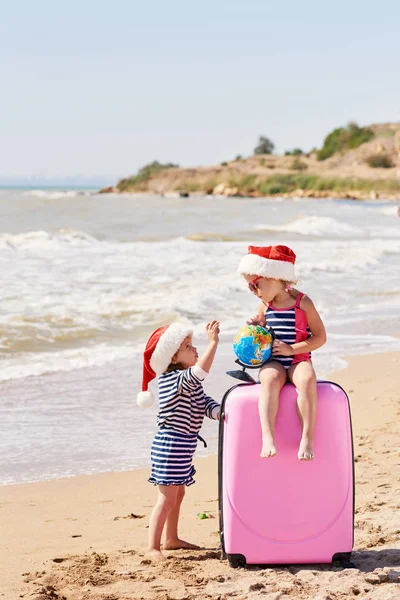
{"x":84,"y":537}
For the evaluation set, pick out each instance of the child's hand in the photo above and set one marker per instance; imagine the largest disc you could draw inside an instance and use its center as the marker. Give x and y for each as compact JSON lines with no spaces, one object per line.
{"x":257,"y":320}
{"x":212,"y":329}
{"x":281,"y":349}
{"x":206,"y":360}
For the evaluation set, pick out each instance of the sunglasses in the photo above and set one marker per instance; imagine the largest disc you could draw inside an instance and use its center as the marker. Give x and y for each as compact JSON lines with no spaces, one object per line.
{"x":253,"y":287}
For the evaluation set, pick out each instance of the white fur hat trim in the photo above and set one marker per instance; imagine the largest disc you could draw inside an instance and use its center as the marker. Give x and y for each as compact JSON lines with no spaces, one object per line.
{"x":167,"y":346}
{"x":252,"y":264}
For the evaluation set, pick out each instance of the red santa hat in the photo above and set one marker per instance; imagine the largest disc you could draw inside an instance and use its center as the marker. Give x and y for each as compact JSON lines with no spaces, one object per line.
{"x":163,"y":343}
{"x":275,"y":262}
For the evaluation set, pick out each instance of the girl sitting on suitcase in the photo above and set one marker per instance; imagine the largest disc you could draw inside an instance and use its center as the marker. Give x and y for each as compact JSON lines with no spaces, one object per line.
{"x":269,"y":272}
{"x":171,"y":355}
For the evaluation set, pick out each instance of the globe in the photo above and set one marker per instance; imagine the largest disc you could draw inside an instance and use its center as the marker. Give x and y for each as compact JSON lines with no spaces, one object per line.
{"x":253,"y":345}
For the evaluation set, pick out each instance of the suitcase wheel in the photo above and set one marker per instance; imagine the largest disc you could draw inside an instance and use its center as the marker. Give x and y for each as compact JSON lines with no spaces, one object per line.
{"x":236,"y":561}
{"x":344,"y":559}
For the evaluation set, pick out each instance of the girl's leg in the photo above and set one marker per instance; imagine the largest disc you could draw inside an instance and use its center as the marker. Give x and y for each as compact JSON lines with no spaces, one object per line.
{"x":302,"y":375}
{"x":172,"y":541}
{"x":167,"y":496}
{"x":273,"y":377}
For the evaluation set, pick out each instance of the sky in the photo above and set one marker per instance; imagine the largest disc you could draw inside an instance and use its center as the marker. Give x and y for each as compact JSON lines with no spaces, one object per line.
{"x":97,"y":89}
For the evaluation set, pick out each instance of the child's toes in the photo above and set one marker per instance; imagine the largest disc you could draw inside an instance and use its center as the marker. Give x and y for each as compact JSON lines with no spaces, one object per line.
{"x":306,"y":451}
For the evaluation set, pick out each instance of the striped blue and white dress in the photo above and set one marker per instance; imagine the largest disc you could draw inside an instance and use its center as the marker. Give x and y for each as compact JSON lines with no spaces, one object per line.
{"x":183,"y":405}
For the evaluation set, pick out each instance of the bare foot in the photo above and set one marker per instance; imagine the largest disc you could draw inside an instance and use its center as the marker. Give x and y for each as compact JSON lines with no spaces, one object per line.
{"x":306,"y":451}
{"x":178,"y":545}
{"x":268,"y":448}
{"x":155,"y":555}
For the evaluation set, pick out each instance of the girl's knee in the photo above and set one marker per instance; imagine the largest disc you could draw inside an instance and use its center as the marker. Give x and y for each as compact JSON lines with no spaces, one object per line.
{"x":307,"y":380}
{"x":272,"y":377}
{"x":168,"y":499}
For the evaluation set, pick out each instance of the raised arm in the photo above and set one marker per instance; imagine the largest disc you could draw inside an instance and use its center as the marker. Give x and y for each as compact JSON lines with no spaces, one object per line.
{"x":206,"y":360}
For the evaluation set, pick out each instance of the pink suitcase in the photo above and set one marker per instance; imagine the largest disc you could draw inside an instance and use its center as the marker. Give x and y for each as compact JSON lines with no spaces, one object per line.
{"x":281,"y":510}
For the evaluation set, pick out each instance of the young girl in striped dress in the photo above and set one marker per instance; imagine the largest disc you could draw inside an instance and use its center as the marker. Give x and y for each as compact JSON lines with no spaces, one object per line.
{"x":269,"y":272}
{"x":170,"y":354}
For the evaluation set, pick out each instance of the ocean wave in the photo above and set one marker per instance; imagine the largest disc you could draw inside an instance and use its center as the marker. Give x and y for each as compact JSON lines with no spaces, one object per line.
{"x":68,"y":292}
{"x":314,"y":226}
{"x":45,"y":240}
{"x":57,"y":194}
{"x":34,"y":364}
{"x":391,"y":210}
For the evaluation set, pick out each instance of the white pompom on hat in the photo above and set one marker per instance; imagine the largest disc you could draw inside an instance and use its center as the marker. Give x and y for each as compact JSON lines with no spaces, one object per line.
{"x":274,"y":262}
{"x":163,"y":343}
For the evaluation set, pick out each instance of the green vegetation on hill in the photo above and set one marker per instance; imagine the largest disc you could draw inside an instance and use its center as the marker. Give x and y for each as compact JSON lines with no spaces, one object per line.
{"x":344,"y":138}
{"x":280,"y":184}
{"x":287,"y":183}
{"x":264,"y":146}
{"x":143,"y":176}
{"x":298,"y":165}
{"x":294,"y":152}
{"x":296,"y":172}
{"x":379,"y":161}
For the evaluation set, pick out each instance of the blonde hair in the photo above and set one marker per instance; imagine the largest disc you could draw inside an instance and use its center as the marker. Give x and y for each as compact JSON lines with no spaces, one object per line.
{"x":289,"y":286}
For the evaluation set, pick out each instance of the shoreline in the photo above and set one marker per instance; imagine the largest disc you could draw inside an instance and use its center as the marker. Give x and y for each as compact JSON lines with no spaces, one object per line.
{"x":306,"y":194}
{"x":64,"y":456}
{"x":217,"y":387}
{"x":52,"y":528}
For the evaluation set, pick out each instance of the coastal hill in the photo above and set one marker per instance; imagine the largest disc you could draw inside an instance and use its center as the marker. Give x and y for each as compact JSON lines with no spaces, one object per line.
{"x":354,"y":162}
